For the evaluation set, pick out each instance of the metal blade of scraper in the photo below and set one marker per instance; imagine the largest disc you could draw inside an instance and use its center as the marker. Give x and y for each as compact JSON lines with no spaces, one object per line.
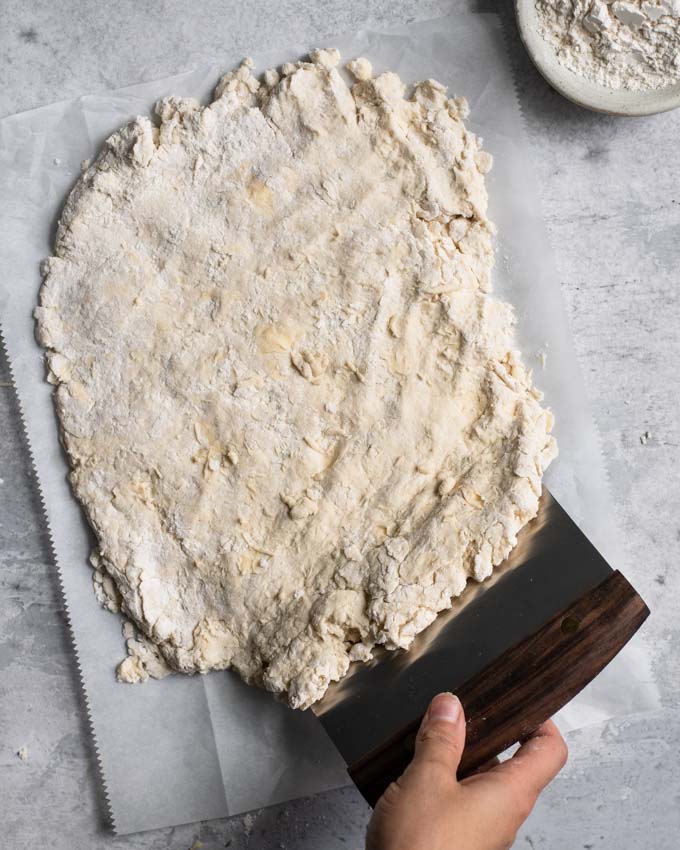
{"x":554,"y":566}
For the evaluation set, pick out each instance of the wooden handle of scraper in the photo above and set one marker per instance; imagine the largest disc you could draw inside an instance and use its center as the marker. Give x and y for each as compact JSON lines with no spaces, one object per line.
{"x":525,"y":686}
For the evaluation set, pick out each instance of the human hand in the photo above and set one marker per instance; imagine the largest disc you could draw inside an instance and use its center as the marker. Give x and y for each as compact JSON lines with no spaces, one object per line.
{"x":427,"y":808}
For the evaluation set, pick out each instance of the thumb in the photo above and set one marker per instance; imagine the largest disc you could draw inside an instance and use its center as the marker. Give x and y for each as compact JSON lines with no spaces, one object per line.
{"x":441,"y":737}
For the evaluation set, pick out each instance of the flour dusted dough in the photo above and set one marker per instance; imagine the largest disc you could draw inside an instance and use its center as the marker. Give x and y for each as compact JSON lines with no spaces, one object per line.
{"x":295,"y":417}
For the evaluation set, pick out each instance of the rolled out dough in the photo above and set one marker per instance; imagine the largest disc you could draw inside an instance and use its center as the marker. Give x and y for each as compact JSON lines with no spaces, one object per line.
{"x":295,"y":416}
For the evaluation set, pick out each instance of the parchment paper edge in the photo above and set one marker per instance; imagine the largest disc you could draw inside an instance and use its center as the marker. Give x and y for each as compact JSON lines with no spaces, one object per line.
{"x":109,"y":818}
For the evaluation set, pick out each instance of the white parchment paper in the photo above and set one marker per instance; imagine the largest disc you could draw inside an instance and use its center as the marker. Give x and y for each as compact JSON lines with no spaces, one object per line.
{"x":187,"y":749}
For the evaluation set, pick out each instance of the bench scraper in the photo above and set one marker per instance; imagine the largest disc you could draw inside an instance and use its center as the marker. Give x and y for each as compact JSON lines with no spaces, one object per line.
{"x":515,"y":649}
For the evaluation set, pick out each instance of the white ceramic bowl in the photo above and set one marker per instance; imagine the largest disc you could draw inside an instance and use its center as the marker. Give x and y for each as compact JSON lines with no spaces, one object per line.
{"x":580,"y":90}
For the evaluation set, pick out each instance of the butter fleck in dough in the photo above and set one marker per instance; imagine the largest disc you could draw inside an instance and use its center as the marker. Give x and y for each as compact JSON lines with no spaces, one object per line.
{"x":295,"y":416}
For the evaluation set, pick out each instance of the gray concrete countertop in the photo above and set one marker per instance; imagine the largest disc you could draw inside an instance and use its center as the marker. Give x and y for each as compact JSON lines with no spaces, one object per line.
{"x":611,"y":195}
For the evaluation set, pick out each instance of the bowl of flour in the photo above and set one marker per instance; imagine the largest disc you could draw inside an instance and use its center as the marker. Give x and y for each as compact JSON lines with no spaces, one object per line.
{"x":621,"y":57}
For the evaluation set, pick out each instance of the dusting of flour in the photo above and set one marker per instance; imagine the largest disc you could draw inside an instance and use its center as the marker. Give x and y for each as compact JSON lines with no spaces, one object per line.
{"x":631,"y":45}
{"x":295,"y":416}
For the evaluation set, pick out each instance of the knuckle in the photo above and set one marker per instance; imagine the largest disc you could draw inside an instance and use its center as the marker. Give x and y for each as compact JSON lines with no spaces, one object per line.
{"x":506,"y":829}
{"x":433,"y":773}
{"x":437,"y":735}
{"x":391,"y":794}
{"x":525,"y":808}
{"x":507,"y":838}
{"x":562,"y":752}
{"x":441,"y":775}
{"x":524,"y":801}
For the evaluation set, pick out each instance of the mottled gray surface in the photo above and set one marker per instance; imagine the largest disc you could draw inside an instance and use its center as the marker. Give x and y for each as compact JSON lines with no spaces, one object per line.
{"x":611,"y":193}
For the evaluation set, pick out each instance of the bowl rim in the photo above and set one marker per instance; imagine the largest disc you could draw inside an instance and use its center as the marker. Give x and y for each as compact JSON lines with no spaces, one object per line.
{"x":580,"y":90}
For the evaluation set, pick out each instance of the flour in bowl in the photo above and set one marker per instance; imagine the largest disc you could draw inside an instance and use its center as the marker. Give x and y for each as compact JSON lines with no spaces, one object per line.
{"x":632,"y":45}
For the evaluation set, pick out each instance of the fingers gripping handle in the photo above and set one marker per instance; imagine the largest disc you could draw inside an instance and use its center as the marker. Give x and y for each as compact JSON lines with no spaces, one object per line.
{"x":526,"y":685}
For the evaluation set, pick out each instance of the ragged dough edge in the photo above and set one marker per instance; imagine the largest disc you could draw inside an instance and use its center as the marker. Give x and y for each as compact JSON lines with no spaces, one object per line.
{"x":371,"y":591}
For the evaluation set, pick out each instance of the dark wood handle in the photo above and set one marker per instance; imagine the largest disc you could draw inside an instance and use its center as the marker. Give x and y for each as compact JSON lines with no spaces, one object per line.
{"x":526,"y":685}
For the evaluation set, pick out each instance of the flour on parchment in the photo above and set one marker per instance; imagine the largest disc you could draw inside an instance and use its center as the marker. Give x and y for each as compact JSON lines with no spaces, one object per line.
{"x":295,"y":416}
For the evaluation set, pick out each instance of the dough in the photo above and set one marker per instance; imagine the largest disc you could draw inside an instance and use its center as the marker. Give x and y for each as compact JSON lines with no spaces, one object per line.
{"x":295,"y":416}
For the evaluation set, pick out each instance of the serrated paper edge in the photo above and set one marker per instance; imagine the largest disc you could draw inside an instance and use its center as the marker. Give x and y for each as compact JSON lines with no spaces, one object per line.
{"x":99,"y":766}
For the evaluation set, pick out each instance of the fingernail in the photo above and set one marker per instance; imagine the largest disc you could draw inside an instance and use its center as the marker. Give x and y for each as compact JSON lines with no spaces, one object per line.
{"x":444,"y":707}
